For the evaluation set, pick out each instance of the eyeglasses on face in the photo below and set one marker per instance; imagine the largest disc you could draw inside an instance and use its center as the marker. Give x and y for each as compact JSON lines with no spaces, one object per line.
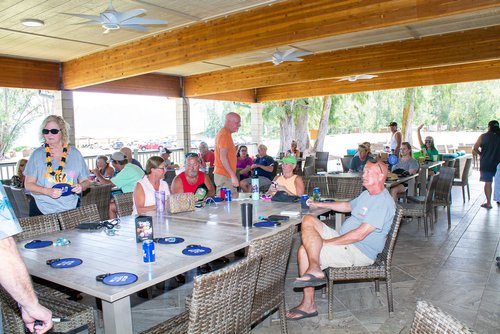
{"x":53,"y":131}
{"x":428,"y":141}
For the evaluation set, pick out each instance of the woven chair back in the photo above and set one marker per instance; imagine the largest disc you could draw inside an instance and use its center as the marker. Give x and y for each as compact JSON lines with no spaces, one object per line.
{"x":38,"y":225}
{"x":275,"y":252}
{"x":222,"y":300}
{"x":430,"y":319}
{"x":12,"y":200}
{"x":99,"y":195}
{"x":309,"y":161}
{"x":429,"y":197}
{"x":445,"y":181}
{"x":322,"y":161}
{"x":169,"y":176}
{"x":22,"y":202}
{"x":346,"y":161}
{"x":124,"y":204}
{"x":348,"y":187}
{"x":466,"y":171}
{"x":84,"y":214}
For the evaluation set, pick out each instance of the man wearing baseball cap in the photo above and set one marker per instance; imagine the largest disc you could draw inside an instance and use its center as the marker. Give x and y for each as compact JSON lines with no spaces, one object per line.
{"x":165,"y":154}
{"x":129,"y":174}
{"x":396,"y":138}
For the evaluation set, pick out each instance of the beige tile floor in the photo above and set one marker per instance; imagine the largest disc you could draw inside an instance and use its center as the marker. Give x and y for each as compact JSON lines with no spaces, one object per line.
{"x":454,"y":269}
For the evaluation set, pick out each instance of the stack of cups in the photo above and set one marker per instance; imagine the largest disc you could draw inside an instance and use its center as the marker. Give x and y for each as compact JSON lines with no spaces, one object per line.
{"x":160,"y":201}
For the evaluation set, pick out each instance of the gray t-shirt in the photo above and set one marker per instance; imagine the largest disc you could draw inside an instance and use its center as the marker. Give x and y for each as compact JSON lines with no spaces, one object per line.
{"x":376,"y":210}
{"x":74,"y":170}
{"x":8,"y":221}
{"x":407,"y":165}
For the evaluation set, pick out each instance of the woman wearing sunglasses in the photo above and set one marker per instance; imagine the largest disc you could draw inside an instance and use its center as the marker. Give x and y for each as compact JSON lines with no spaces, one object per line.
{"x":56,"y":172}
{"x":145,"y":189}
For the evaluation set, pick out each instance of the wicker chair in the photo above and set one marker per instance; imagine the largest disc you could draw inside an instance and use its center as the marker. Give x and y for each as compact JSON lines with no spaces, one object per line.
{"x":78,"y":315}
{"x":35,"y":226}
{"x":380,"y":269}
{"x":323,"y":182}
{"x":442,"y":195}
{"x":464,"y":180}
{"x":310,"y":161}
{"x":346,"y":161}
{"x":430,"y":319}
{"x":423,"y":209}
{"x":348,"y":188}
{"x":12,"y":200}
{"x":84,"y":214}
{"x":270,"y":290}
{"x":308,"y":171}
{"x":100,"y":196}
{"x":169,"y":176}
{"x":322,"y":161}
{"x":22,"y":202}
{"x":124,"y":204}
{"x":221,"y":302}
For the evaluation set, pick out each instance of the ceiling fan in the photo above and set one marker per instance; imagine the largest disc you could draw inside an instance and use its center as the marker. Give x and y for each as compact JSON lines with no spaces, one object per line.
{"x":111,"y":19}
{"x":294,"y":54}
{"x":357,"y":77}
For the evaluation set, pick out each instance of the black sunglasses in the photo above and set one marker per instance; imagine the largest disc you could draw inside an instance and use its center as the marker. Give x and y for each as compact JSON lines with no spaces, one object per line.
{"x":53,"y":131}
{"x":191,"y":155}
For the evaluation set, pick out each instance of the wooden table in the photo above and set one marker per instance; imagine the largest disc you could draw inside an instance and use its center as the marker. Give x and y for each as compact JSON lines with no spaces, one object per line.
{"x":216,"y":227}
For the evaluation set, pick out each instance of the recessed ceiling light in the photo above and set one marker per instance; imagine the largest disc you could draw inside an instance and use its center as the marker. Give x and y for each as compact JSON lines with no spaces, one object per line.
{"x":33,"y":22}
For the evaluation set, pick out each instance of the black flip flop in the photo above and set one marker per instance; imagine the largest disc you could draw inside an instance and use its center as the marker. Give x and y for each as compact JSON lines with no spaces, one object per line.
{"x":303,"y":314}
{"x":311,"y":282}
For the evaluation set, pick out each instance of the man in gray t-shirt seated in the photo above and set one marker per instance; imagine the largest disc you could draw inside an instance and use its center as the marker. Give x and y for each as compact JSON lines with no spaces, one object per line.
{"x":358,"y":242}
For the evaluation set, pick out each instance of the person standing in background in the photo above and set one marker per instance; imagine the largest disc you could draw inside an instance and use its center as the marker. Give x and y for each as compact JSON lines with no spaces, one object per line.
{"x":225,"y":154}
{"x":487,"y":147}
{"x":396,"y":138}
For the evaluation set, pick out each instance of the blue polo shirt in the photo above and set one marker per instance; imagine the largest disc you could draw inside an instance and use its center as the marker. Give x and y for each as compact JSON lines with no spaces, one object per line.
{"x":264,"y":161}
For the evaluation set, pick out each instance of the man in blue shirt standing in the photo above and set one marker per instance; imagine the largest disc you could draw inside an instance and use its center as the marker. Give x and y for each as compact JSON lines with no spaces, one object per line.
{"x":263,"y":166}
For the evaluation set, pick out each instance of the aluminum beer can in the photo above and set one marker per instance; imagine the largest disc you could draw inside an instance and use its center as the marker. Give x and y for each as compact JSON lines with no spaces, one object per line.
{"x":223,"y":193}
{"x":228,"y":195}
{"x":148,"y":251}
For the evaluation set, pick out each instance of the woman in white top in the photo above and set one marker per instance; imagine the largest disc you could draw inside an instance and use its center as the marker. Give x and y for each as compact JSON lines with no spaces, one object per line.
{"x":144,"y":192}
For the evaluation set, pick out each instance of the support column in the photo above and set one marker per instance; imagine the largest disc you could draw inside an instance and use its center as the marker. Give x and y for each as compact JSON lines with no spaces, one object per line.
{"x":63,"y":106}
{"x":183,"y":124}
{"x":256,"y":125}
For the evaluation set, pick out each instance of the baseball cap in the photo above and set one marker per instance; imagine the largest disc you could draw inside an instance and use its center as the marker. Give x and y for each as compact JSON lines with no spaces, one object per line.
{"x":290,"y":159}
{"x":118,"y":156}
{"x":165,"y":151}
{"x":393,"y":124}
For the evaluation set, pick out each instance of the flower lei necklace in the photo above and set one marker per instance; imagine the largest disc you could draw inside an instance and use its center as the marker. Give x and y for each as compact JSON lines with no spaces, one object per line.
{"x":48,"y":160}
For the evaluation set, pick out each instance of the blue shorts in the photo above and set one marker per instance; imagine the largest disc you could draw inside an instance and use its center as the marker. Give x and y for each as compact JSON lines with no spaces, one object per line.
{"x":486,"y":176}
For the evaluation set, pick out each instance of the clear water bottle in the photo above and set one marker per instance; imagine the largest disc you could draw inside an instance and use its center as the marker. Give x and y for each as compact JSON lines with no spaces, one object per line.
{"x":255,"y":186}
{"x":316,"y":194}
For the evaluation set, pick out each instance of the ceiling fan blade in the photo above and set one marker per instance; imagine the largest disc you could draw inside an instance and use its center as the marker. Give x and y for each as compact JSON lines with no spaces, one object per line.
{"x":343,"y":79}
{"x":301,"y":53}
{"x":130,"y":14}
{"x":83,"y":16}
{"x":366,"y":76}
{"x":287,"y":53}
{"x":294,"y":59}
{"x":140,"y":20}
{"x":134,"y":26}
{"x":87,"y":22}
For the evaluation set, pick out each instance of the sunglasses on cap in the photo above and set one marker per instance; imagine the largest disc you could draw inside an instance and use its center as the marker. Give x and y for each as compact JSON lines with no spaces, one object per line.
{"x":53,"y":131}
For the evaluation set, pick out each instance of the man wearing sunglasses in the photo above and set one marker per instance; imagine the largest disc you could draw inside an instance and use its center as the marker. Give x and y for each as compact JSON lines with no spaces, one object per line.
{"x":192,"y":180}
{"x":361,"y":237}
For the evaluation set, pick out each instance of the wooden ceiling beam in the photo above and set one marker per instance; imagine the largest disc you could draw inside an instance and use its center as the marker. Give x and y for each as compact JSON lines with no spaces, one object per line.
{"x":265,"y":27}
{"x":487,"y":70}
{"x":449,"y":49}
{"x":31,"y":74}
{"x":147,"y":84}
{"x":247,"y":96}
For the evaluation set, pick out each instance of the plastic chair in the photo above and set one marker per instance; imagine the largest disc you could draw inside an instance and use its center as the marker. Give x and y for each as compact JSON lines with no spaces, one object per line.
{"x":381,"y":268}
{"x":270,"y":289}
{"x":431,"y":319}
{"x":221,"y":302}
{"x":124,"y":204}
{"x":464,"y":180}
{"x":84,"y":214}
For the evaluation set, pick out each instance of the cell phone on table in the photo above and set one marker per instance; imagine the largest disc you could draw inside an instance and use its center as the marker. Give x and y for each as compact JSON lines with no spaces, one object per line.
{"x":277,"y":218}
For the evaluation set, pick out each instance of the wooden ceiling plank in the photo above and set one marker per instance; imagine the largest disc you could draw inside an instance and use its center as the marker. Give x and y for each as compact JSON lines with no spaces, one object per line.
{"x":247,"y":96}
{"x":456,"y":48}
{"x":18,"y":73}
{"x":270,"y":26}
{"x":488,"y":70}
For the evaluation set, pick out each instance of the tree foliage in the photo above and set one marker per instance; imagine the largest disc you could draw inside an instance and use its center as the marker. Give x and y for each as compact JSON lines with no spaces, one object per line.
{"x":18,"y":107}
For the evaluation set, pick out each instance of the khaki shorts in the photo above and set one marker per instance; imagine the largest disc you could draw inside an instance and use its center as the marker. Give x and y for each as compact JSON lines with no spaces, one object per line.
{"x":340,"y":255}
{"x":223,"y":181}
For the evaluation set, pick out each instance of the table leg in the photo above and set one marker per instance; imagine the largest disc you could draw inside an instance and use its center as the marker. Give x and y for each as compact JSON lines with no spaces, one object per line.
{"x":117,"y":316}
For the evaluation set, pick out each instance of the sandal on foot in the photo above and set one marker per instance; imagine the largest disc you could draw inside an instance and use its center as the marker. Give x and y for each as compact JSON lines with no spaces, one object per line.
{"x":303,"y":314}
{"x":312,"y":281}
{"x":486,"y":206}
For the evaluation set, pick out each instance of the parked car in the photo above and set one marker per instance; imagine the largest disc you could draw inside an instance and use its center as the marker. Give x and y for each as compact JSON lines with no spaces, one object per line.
{"x":149,"y":146}
{"x":117,"y":145}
